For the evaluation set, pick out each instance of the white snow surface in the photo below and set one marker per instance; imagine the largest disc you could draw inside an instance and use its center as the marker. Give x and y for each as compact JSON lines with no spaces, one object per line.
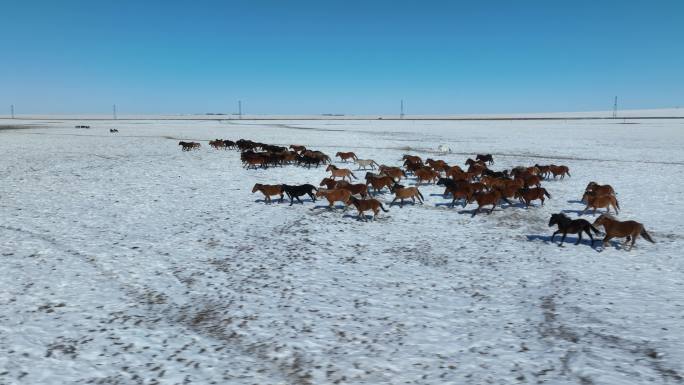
{"x":127,"y":261}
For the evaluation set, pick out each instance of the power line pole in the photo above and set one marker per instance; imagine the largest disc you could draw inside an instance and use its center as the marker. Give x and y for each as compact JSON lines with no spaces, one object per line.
{"x":114,"y":111}
{"x":401,"y":115}
{"x":12,"y":110}
{"x":615,"y":108}
{"x":240,"y":109}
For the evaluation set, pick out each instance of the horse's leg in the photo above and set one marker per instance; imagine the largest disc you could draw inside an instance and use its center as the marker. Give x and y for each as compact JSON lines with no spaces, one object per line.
{"x":281,"y":197}
{"x":579,"y":238}
{"x":394,"y":200}
{"x":299,"y":200}
{"x":606,"y":239}
{"x":634,"y":237}
{"x":562,"y":239}
{"x":401,"y":203}
{"x":588,"y":231}
{"x":492,"y":210}
{"x":554,"y":234}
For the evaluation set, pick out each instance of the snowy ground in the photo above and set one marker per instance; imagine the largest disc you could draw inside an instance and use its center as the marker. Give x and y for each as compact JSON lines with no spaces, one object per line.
{"x":127,"y":261}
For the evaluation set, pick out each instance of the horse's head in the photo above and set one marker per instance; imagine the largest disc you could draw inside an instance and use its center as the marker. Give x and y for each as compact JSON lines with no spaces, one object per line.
{"x":320,"y":193}
{"x":256,"y":187}
{"x":556,"y":218}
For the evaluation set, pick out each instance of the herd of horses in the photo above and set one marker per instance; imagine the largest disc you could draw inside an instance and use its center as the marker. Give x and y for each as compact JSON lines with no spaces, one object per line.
{"x":475,"y":182}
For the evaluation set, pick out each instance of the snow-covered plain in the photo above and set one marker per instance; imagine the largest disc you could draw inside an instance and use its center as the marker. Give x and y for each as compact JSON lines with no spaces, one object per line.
{"x":127,"y":261}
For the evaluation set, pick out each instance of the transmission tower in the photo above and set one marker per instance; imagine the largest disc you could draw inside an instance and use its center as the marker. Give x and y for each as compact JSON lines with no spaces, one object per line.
{"x":401,"y":115}
{"x":114,"y":111}
{"x":240,"y":109}
{"x":12,"y":110}
{"x":615,"y":108}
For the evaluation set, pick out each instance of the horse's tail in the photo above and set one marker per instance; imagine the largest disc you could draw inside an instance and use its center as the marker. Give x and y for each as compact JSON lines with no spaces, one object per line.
{"x":569,"y":172}
{"x":353,"y":176}
{"x":646,"y":235}
{"x":617,"y":204}
{"x":420,"y":195}
{"x":383,"y":208}
{"x":594,"y":229}
{"x":546,"y":193}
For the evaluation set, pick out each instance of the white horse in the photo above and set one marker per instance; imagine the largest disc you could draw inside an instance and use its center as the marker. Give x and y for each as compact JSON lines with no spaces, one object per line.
{"x":365,"y":163}
{"x":443,"y":148}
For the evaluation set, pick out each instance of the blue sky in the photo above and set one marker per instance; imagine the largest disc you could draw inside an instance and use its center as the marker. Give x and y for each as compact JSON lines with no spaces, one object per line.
{"x":355,"y":57}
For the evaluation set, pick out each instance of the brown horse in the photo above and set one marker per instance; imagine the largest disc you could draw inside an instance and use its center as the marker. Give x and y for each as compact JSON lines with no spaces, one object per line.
{"x":217,"y":144}
{"x":456,"y":173}
{"x":411,"y":159}
{"x":363,"y":205}
{"x":255,"y":161}
{"x":347,"y":155}
{"x":340,"y":172}
{"x":297,"y":148}
{"x":437,"y":165}
{"x":335,"y":195}
{"x":268,"y":190}
{"x":598,"y":189}
{"x":600,"y":201}
{"x":527,"y":195}
{"x":461,"y":190}
{"x":559,"y":170}
{"x":530,"y":180}
{"x":413,"y":167}
{"x":487,"y":198}
{"x":187,"y":146}
{"x":395,"y":172}
{"x":329,"y":183}
{"x":359,"y":188}
{"x":618,"y":229}
{"x":427,"y":175}
{"x":401,"y":192}
{"x":379,"y":182}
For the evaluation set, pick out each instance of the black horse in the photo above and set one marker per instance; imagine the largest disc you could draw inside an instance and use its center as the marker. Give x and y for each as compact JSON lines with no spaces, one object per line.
{"x":294,"y":192}
{"x":308,"y":161}
{"x":496,"y":174}
{"x":572,"y":226}
{"x":487,"y":158}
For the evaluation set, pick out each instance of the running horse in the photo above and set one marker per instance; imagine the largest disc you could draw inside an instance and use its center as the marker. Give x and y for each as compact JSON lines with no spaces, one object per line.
{"x":363,"y":205}
{"x":340,"y":172}
{"x":572,"y":226}
{"x":294,"y":192}
{"x":401,"y":192}
{"x":335,"y":195}
{"x":617,"y":229}
{"x":485,"y":158}
{"x":346,"y":155}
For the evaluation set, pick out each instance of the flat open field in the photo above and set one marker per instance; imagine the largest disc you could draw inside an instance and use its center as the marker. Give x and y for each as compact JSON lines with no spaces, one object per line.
{"x":127,"y":261}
